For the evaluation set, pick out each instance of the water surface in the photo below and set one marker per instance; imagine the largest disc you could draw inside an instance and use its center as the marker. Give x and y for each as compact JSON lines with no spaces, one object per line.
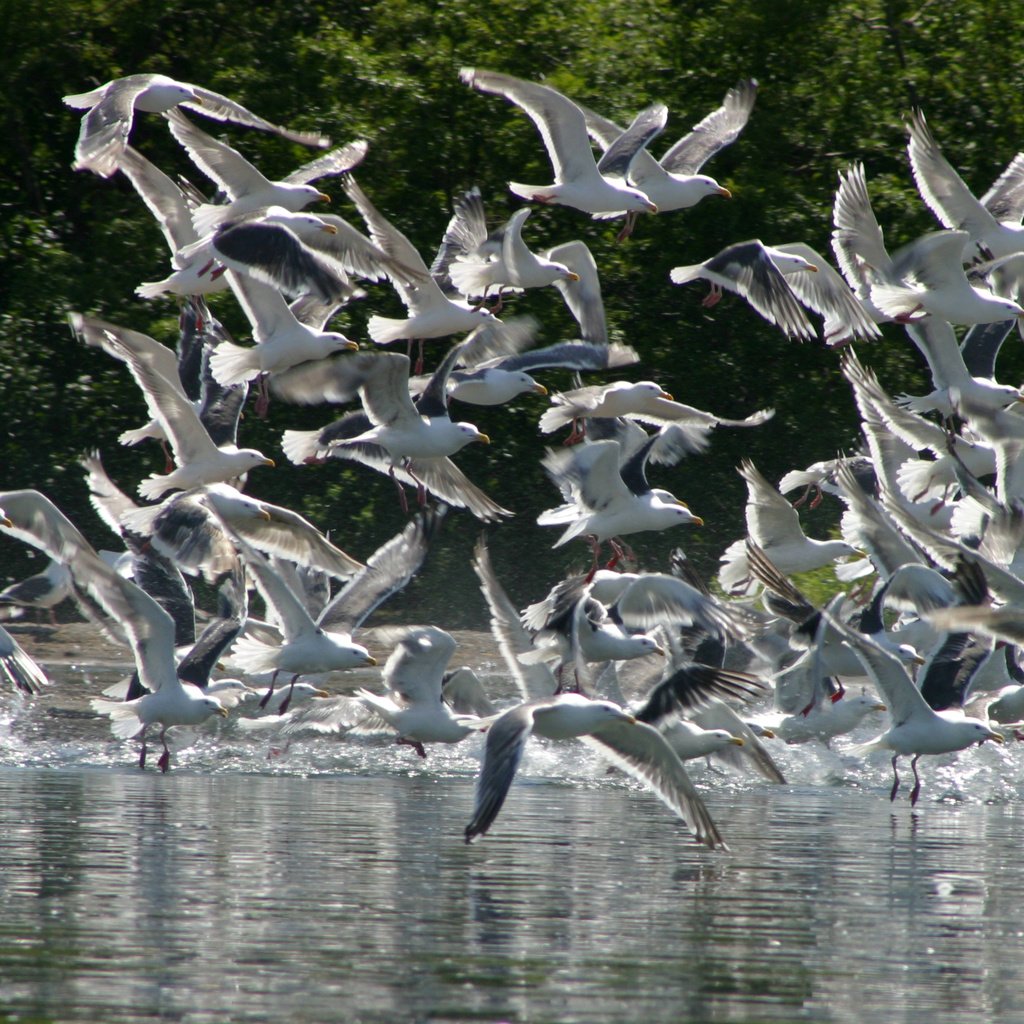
{"x":329,"y":882}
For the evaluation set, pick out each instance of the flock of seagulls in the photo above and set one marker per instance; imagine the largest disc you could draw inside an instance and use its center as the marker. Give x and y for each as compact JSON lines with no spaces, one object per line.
{"x":651,"y":668}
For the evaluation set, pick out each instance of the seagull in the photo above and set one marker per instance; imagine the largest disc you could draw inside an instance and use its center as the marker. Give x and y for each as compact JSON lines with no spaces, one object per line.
{"x":916,"y":729}
{"x":563,"y":127}
{"x":282,"y":340}
{"x":247,"y":189}
{"x":993,"y":223}
{"x":187,"y":528}
{"x":431,"y":313}
{"x":172,"y":207}
{"x":515,"y":267}
{"x":644,"y":401}
{"x":758,"y":273}
{"x":774,"y":525}
{"x":604,"y":501}
{"x":306,"y":648}
{"x":413,"y":705}
{"x":414,"y":439}
{"x":37,"y":521}
{"x":42,"y":591}
{"x":930,"y":280}
{"x":154,"y":368}
{"x":674,"y":182}
{"x":636,"y":748}
{"x":111,"y":108}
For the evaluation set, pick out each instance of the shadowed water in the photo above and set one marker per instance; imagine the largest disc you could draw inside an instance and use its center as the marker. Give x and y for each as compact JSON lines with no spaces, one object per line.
{"x":329,"y":882}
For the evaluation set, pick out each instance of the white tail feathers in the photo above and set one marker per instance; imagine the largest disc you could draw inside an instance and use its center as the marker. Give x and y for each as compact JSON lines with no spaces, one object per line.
{"x":124,"y":722}
{"x":384,"y":330}
{"x":234,"y":364}
{"x":301,"y":446}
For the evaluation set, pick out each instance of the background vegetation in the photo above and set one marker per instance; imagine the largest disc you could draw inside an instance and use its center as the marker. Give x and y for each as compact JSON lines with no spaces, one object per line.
{"x":836,"y":81}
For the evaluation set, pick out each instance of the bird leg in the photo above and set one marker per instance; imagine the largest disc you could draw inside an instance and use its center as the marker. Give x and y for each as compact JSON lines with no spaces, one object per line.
{"x":627,"y":227}
{"x":840,"y":692}
{"x":916,"y":791}
{"x":415,"y":744}
{"x":595,"y":547}
{"x":621,"y":552}
{"x":262,"y":396}
{"x":713,"y":297}
{"x":577,"y":434}
{"x":908,"y":316}
{"x":165,"y":758}
{"x":401,"y":490}
{"x":142,"y":753}
{"x":288,"y":699}
{"x":270,"y":690}
{"x":895,"y":779}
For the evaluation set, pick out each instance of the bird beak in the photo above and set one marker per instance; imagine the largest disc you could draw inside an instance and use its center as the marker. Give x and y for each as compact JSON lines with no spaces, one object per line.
{"x":483,"y":439}
{"x":767,"y":734}
{"x":738,"y":741}
{"x":330,"y":229}
{"x":631,"y":719}
{"x":323,"y":197}
{"x":575,"y":277}
{"x":659,"y":650}
{"x":652,"y":208}
{"x":223,"y":712}
{"x":371,"y":660}
{"x":4,"y":521}
{"x":540,"y":389}
{"x":723,"y":191}
{"x":264,"y":514}
{"x":879,"y":707}
{"x":320,"y":693}
{"x":268,"y":462}
{"x":666,"y":396}
{"x":997,"y":736}
{"x":918,"y":660}
{"x":813,"y":269}
{"x":351,"y":346}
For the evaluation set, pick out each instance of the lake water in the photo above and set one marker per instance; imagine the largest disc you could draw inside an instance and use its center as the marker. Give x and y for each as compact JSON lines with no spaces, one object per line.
{"x":329,"y":882}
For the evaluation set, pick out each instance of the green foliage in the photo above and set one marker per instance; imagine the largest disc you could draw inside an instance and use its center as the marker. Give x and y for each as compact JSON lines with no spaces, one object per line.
{"x":836,"y":82}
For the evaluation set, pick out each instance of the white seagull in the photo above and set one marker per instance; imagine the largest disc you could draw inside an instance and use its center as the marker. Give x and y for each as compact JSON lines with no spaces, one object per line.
{"x":563,"y":127}
{"x":111,"y":108}
{"x":636,"y":748}
{"x":155,"y":369}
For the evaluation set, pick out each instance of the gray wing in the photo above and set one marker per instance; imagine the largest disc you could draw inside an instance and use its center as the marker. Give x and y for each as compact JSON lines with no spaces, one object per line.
{"x":583,"y":297}
{"x":533,"y":680}
{"x":647,"y":125}
{"x":753,"y":754}
{"x":221,"y":108}
{"x":506,"y":740}
{"x":386,"y":572}
{"x":716,"y":131}
{"x":642,"y":752}
{"x":338,"y":161}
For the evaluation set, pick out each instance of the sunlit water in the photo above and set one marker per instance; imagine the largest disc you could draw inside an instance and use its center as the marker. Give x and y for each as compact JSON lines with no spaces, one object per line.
{"x":328,"y":881}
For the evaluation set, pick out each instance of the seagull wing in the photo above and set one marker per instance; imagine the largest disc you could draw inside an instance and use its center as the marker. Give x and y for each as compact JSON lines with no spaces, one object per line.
{"x":506,"y":740}
{"x":716,"y":131}
{"x":644,"y":753}
{"x":155,"y":370}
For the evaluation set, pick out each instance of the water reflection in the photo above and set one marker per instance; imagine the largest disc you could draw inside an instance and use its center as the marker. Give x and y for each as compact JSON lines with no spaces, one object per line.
{"x":199,"y":897}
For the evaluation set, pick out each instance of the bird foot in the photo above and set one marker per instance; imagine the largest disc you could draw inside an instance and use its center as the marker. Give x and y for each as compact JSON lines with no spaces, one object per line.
{"x":415,"y":744}
{"x":712,"y":298}
{"x":915,"y":793}
{"x":165,"y":760}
